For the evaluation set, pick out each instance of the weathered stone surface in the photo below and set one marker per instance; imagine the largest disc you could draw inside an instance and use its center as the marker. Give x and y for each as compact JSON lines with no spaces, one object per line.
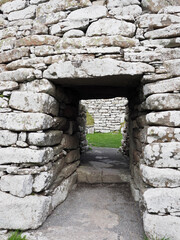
{"x":17,"y":185}
{"x":164,"y":86}
{"x":162,"y":200}
{"x":37,"y":40}
{"x":162,"y":155}
{"x":128,"y":13}
{"x":159,"y":226}
{"x":92,"y":12}
{"x":8,"y":32}
{"x":26,"y":13}
{"x":30,"y":211}
{"x":14,"y":54}
{"x":3,"y":23}
{"x":25,"y":155}
{"x":157,"y":5}
{"x":117,"y":3}
{"x":42,"y":86}
{"x":153,"y":21}
{"x":73,"y":33}
{"x":111,"y":27}
{"x":20,"y":75}
{"x":41,"y":181}
{"x":44,"y":50}
{"x":167,"y":32}
{"x":67,"y":25}
{"x":3,"y":103}
{"x":25,"y":121}
{"x":7,"y":138}
{"x":169,"y":43}
{"x":61,"y":192}
{"x":95,"y":68}
{"x":170,"y":9}
{"x":172,"y":67}
{"x":34,"y":102}
{"x":66,"y":44}
{"x":142,"y":56}
{"x":49,"y":138}
{"x":52,"y":17}
{"x":161,"y":134}
{"x":70,"y":169}
{"x":7,"y":44}
{"x":161,"y":178}
{"x":70,"y":142}
{"x":167,"y":118}
{"x":72,"y":156}
{"x":13,"y":6}
{"x":165,"y":101}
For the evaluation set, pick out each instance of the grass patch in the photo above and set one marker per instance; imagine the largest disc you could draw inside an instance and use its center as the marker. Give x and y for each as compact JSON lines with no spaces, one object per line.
{"x":17,"y":236}
{"x":146,"y":238}
{"x":111,"y":140}
{"x":89,"y":119}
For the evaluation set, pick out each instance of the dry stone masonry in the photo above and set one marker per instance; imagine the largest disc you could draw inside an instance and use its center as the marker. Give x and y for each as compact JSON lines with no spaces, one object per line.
{"x":55,"y":53}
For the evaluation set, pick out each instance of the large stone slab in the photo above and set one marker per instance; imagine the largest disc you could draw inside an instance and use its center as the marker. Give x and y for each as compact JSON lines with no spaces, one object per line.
{"x":48,"y":138}
{"x":25,"y":121}
{"x":164,"y":86}
{"x":14,"y":54}
{"x":37,"y":40}
{"x":162,"y":200}
{"x":167,"y":118}
{"x":8,"y":85}
{"x":26,"y":13}
{"x":72,"y":156}
{"x":165,"y":101}
{"x":167,"y":32}
{"x":109,"y":26}
{"x":172,"y":67}
{"x":8,"y":32}
{"x":17,"y":185}
{"x":34,"y":102}
{"x":7,"y":138}
{"x":70,"y":142}
{"x":117,"y":3}
{"x":29,"y":212}
{"x":161,"y":134}
{"x":156,"y":5}
{"x":128,"y":13}
{"x":159,"y":226}
{"x":20,"y":75}
{"x":95,"y":68}
{"x":162,"y":155}
{"x":13,"y":6}
{"x":161,"y":178}
{"x":25,"y":155}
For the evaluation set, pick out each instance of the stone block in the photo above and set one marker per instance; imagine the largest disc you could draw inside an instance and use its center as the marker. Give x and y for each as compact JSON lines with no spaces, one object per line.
{"x":162,"y":200}
{"x":49,"y":138}
{"x":109,"y":26}
{"x":92,"y":12}
{"x":161,"y":178}
{"x":25,"y":155}
{"x":167,"y":118}
{"x":34,"y":102}
{"x":61,"y":192}
{"x":172,"y":67}
{"x":7,"y":138}
{"x":37,"y":40}
{"x":14,"y":54}
{"x":23,"y":213}
{"x":26,"y":13}
{"x":161,"y":226}
{"x":8,"y":32}
{"x":156,"y":5}
{"x":70,"y":169}
{"x":25,"y":121}
{"x":164,"y":86}
{"x":128,"y":13}
{"x":13,"y":6}
{"x":41,"y":181}
{"x":20,"y":75}
{"x":117,"y":3}
{"x":162,"y":155}
{"x":20,"y":185}
{"x":167,"y":32}
{"x":3,"y":103}
{"x":165,"y":101}
{"x":72,"y":156}
{"x":7,"y":44}
{"x":8,"y":86}
{"x":88,"y":174}
{"x":70,"y":142}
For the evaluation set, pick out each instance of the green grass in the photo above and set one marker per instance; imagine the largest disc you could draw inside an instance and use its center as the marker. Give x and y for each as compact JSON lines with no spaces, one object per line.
{"x":17,"y":236}
{"x":111,"y":140}
{"x":89,"y":119}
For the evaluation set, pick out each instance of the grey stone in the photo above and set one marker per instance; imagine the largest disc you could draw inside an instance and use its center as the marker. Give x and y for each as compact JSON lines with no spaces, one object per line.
{"x":30,"y":211}
{"x":48,"y":138}
{"x":73,"y":33}
{"x":69,"y":169}
{"x":20,"y":75}
{"x":117,"y":3}
{"x":14,"y":54}
{"x":111,"y":27}
{"x":70,"y":142}
{"x":129,"y":13}
{"x":8,"y":32}
{"x":26,"y":13}
{"x":34,"y":102}
{"x":13,"y":6}
{"x":25,"y":121}
{"x":172,"y":67}
{"x":17,"y":185}
{"x":37,"y":40}
{"x":160,"y":178}
{"x":7,"y":44}
{"x":7,"y":138}
{"x":72,"y":156}
{"x":25,"y":155}
{"x":8,"y":85}
{"x":162,"y":155}
{"x":167,"y":32}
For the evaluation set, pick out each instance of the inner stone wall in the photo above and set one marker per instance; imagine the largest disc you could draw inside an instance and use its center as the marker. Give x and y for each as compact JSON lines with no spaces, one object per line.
{"x":55,"y":53}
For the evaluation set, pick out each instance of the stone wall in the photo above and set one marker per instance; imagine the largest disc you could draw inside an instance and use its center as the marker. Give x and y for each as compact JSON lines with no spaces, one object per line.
{"x":108,"y":114}
{"x":55,"y":53}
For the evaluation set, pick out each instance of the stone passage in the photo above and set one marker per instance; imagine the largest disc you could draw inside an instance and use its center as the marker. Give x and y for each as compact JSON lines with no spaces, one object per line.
{"x":56,"y":53}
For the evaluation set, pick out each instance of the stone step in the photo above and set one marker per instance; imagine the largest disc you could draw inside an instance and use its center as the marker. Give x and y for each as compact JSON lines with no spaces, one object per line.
{"x":89,"y":174}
